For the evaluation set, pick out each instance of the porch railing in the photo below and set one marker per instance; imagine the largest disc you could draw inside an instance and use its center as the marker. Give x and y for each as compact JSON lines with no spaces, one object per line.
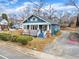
{"x":31,"y":32}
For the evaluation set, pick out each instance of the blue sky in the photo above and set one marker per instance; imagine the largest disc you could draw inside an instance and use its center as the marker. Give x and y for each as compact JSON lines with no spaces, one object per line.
{"x":17,"y":3}
{"x":14,"y":5}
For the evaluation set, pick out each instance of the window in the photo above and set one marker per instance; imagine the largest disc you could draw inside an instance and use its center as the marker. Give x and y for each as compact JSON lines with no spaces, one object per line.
{"x":34,"y":19}
{"x":27,"y":26}
{"x":43,"y":27}
{"x":34,"y":27}
{"x":31,"y":19}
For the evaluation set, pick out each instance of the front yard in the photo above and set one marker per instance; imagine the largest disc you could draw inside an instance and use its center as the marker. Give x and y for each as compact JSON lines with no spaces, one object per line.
{"x":35,"y":44}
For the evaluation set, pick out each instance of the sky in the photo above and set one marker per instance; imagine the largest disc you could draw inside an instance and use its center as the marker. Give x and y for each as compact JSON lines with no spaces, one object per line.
{"x":11,"y":6}
{"x":18,"y":3}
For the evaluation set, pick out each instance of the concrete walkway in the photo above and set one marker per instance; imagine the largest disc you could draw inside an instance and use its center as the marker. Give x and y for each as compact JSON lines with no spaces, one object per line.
{"x":36,"y":54}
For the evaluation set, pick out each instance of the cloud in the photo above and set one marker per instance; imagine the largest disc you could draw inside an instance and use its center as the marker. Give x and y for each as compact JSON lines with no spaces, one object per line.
{"x":64,"y":8}
{"x":4,"y":8}
{"x":8,"y":2}
{"x":55,"y":6}
{"x":61,"y":6}
{"x":13,"y":1}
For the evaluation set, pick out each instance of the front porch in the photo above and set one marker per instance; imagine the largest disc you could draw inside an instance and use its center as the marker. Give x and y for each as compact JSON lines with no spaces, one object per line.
{"x":36,"y":30}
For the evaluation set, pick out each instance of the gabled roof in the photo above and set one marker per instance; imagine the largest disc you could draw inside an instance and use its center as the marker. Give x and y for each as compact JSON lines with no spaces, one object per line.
{"x":43,"y":18}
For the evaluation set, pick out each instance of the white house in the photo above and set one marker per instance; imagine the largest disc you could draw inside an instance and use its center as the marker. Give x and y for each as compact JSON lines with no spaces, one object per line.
{"x":38,"y":26}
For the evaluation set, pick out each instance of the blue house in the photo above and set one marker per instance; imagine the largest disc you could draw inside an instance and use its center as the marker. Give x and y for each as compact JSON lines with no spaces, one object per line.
{"x":38,"y":26}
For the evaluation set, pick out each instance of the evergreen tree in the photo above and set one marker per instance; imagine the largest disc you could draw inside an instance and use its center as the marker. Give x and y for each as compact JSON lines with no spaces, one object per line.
{"x":4,"y":16}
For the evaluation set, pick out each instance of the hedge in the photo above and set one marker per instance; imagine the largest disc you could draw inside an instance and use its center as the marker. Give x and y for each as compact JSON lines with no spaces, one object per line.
{"x":5,"y":37}
{"x":21,"y":39}
{"x":24,"y":39}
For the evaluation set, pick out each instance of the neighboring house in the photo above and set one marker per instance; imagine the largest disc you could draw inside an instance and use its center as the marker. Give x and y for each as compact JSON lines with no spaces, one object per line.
{"x":16,"y":26}
{"x":38,"y":26}
{"x":17,"y":23}
{"x":3,"y":24}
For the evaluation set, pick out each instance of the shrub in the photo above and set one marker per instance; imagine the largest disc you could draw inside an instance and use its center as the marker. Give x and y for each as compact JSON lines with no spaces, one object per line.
{"x":29,"y":38}
{"x":21,"y":39}
{"x":24,"y":39}
{"x":13,"y":38}
{"x":5,"y":37}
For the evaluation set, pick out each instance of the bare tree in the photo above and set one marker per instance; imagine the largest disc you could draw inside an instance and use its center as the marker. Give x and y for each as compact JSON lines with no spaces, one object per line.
{"x":24,"y":12}
{"x":51,"y":12}
{"x":37,"y":6}
{"x":74,"y":3}
{"x":64,"y":22}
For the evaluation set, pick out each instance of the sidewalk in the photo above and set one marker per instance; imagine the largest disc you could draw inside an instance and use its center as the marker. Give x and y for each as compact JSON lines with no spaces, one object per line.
{"x":37,"y":54}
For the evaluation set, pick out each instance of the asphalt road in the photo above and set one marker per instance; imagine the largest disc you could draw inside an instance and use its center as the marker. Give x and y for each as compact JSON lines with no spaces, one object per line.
{"x":2,"y":57}
{"x":10,"y":53}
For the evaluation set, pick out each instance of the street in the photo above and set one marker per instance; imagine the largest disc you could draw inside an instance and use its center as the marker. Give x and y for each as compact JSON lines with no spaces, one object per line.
{"x":10,"y":53}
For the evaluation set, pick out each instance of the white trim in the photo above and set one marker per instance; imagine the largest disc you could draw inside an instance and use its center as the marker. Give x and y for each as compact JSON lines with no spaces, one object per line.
{"x":48,"y":27}
{"x":36,"y":16}
{"x":38,"y":27}
{"x":35,"y":23}
{"x":27,"y":18}
{"x":42,"y":19}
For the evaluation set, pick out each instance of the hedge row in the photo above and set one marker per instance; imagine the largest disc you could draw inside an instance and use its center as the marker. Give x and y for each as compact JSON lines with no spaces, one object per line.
{"x":21,"y":39}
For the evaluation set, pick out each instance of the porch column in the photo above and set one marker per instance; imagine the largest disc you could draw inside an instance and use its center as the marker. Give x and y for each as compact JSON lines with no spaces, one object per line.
{"x":29,"y":27}
{"x":38,"y":27}
{"x":47,"y":27}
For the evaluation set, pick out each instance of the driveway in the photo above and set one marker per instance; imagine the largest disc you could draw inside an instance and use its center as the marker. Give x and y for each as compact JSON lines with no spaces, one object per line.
{"x":10,"y":53}
{"x":62,"y":48}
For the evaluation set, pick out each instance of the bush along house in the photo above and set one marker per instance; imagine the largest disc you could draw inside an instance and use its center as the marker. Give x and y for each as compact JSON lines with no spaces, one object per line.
{"x":39,"y":26}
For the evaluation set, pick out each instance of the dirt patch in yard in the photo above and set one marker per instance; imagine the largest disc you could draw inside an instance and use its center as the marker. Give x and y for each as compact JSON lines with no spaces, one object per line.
{"x":39,"y":44}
